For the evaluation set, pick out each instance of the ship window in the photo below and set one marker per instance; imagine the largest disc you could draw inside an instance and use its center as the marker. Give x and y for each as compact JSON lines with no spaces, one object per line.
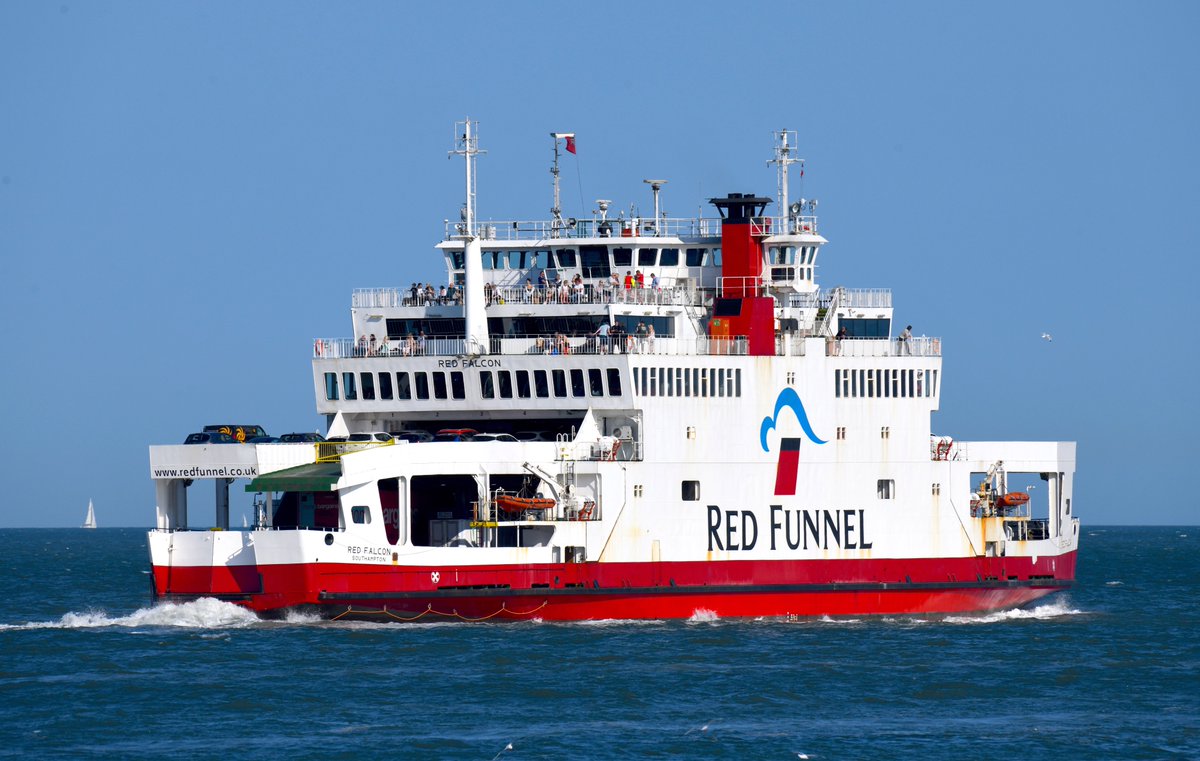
{"x":691,"y":491}
{"x":541,"y":259}
{"x":385,"y":385}
{"x":368,"y":385}
{"x":669,"y":258}
{"x":505,"y":378}
{"x":523,"y":384}
{"x":348,"y":385}
{"x":439,"y":385}
{"x":594,"y":261}
{"x":885,"y":432}
{"x":694,"y":257}
{"x":841,"y":433}
{"x":493,"y":260}
{"x":457,"y":387}
{"x":540,"y":386}
{"x":885,"y":488}
{"x":837,"y":383}
{"x":647,"y":257}
{"x":721,"y":382}
{"x":716,"y":257}
{"x":653,"y":387}
{"x":577,"y":387}
{"x":331,"y":386}
{"x":456,"y":259}
{"x":937,"y":489}
{"x":596,"y":381}
{"x":566,"y":257}
{"x":486,"y":387}
{"x":622,"y":257}
{"x":560,"y":382}
{"x":403,"y":390}
{"x":737,"y":382}
{"x":360,"y":514}
{"x":421,"y":380}
{"x":614,"y":382}
{"x":668,"y":381}
{"x":516,"y":260}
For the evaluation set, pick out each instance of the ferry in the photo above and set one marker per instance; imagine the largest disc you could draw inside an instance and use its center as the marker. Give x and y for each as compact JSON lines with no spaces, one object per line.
{"x":630,"y":416}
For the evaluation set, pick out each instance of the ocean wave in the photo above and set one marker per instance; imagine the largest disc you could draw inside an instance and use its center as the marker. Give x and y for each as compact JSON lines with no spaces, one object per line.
{"x":205,"y":613}
{"x":703,"y":616}
{"x":1054,"y":609}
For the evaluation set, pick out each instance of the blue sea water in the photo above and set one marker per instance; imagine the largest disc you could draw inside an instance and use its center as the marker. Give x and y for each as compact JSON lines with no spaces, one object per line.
{"x":91,"y":668}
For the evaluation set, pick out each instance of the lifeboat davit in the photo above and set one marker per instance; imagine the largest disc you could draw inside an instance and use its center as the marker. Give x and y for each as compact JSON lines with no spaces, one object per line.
{"x":513,"y":504}
{"x":1012,"y":499}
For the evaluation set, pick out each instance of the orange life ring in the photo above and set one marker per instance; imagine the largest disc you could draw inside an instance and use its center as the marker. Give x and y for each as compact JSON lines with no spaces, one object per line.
{"x":319,"y":347}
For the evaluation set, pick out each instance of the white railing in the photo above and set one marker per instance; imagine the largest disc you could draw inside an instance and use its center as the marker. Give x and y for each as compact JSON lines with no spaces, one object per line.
{"x":343,"y":348}
{"x":883,"y":347}
{"x":594,"y":294}
{"x":767,"y":226}
{"x":879,"y":298}
{"x":637,"y":227}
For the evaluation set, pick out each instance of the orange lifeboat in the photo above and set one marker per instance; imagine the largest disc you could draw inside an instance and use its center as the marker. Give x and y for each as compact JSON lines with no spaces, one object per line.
{"x":513,"y":504}
{"x":1012,"y":499}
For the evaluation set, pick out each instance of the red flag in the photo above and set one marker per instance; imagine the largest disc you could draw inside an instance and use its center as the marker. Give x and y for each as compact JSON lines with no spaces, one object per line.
{"x":570,"y":144}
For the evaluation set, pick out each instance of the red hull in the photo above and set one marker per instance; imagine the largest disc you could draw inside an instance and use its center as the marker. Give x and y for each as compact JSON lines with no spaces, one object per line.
{"x":582,"y":591}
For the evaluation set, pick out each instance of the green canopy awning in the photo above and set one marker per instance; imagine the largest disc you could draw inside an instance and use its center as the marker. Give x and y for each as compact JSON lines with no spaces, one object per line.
{"x":315,"y":476}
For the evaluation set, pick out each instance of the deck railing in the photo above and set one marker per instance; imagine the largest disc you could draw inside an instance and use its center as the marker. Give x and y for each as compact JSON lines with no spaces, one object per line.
{"x":343,"y":348}
{"x":922,"y":346}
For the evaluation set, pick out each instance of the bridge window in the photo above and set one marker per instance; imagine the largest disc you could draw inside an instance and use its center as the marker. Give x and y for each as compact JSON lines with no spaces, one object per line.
{"x":565,"y":256}
{"x":422,"y":383}
{"x":647,"y":257}
{"x":669,"y":257}
{"x":331,"y":387}
{"x":439,"y":385}
{"x":694,"y":257}
{"x":577,"y":387}
{"x":486,"y":386}
{"x":523,"y":384}
{"x":505,"y":378}
{"x":540,"y":386}
{"x":385,"y":385}
{"x":622,"y":257}
{"x":560,"y":383}
{"x":403,"y":390}
{"x":596,"y":381}
{"x":614,"y":382}
{"x":348,"y":386}
{"x":457,"y":387}
{"x":368,"y":385}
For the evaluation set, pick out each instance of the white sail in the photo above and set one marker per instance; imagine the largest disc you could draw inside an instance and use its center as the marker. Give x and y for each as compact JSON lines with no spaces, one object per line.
{"x":90,"y":520}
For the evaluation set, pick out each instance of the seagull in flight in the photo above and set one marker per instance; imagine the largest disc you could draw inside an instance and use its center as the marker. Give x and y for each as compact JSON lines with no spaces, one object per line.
{"x":1047,"y":337}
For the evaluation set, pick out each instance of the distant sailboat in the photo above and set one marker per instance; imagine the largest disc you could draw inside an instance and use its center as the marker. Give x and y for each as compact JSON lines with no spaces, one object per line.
{"x":90,"y":520}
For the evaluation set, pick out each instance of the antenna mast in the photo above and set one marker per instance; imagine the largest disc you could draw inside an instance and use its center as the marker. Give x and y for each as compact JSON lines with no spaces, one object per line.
{"x":556,"y":220}
{"x":783,"y":157}
{"x":466,"y":144}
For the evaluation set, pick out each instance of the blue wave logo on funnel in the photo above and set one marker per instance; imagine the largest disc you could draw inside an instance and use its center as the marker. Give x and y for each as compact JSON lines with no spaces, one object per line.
{"x":788,"y":399}
{"x":787,"y":469}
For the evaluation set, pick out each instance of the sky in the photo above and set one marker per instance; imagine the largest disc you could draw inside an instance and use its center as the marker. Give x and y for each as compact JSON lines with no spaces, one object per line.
{"x":190,"y":191}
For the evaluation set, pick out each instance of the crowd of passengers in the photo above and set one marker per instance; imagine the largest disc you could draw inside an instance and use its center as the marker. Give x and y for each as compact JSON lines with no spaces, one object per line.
{"x":611,"y":290}
{"x":604,"y":339}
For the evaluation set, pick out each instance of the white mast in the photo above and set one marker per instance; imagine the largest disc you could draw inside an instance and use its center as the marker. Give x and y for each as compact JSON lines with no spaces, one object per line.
{"x":783,"y":157}
{"x":656,"y":185}
{"x":466,"y":144}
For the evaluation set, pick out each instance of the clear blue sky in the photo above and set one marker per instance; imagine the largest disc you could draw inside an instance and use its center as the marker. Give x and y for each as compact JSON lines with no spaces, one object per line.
{"x":189,"y":192}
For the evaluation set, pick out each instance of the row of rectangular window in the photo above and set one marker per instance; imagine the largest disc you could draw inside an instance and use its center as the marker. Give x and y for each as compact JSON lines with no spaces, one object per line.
{"x":420,"y":385}
{"x":509,"y":384}
{"x":891,"y":383}
{"x":688,"y":381}
{"x":407,"y":386}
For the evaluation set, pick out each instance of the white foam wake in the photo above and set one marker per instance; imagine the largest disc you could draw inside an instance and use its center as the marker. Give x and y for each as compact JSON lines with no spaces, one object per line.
{"x":205,"y":613}
{"x":703,"y":616}
{"x":1054,"y":609}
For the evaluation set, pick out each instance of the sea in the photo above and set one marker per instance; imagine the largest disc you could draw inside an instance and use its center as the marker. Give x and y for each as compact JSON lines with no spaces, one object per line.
{"x":92,"y":668}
